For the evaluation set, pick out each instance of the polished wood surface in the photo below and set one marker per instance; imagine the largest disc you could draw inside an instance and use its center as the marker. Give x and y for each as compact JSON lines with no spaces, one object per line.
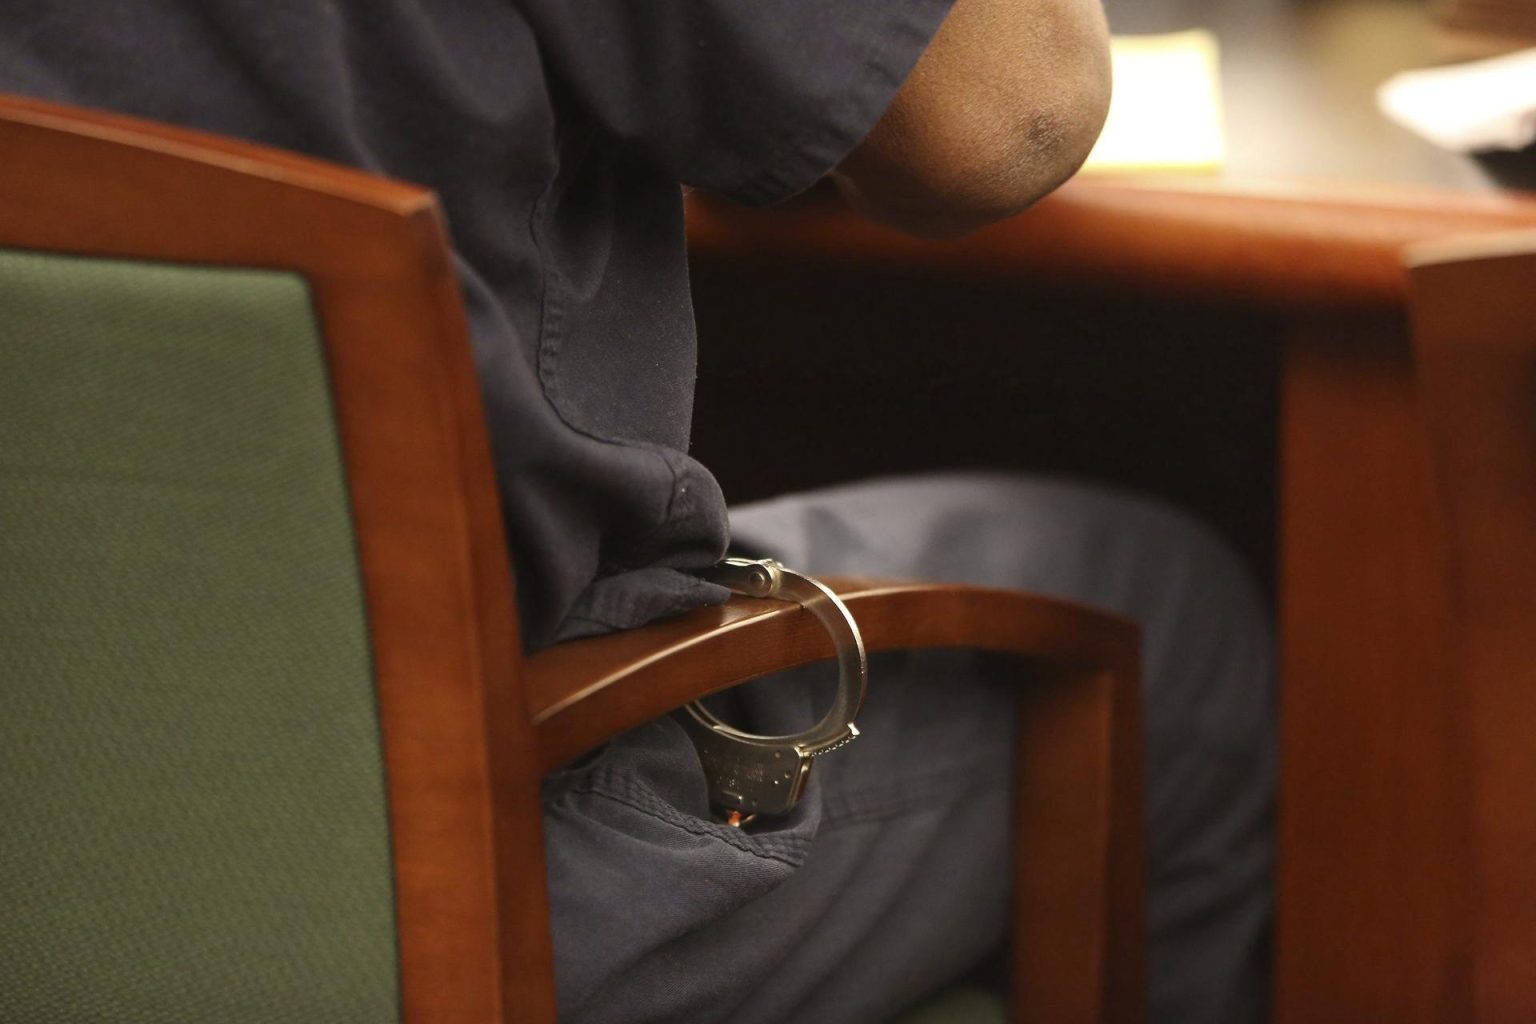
{"x":584,"y":693}
{"x":1272,"y":245}
{"x":1371,"y":806}
{"x":464,"y":814}
{"x":1474,"y":316}
{"x":1080,"y":863}
{"x":1079,"y":924}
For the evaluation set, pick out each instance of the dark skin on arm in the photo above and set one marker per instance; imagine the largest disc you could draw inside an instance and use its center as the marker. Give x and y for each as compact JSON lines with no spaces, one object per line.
{"x":1002,"y":108}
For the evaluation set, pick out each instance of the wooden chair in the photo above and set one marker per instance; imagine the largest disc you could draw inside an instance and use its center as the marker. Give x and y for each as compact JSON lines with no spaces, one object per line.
{"x":269,"y":743}
{"x":1251,"y":355}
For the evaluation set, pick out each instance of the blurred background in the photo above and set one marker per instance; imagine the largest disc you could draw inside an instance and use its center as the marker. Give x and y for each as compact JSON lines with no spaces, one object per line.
{"x":1299,"y":81}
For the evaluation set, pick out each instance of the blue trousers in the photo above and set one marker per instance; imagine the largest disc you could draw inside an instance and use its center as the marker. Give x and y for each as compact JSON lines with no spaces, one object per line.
{"x":891,"y":878}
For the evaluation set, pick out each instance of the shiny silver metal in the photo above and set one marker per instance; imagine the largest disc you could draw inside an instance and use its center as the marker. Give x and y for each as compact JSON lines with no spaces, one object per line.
{"x":754,"y":774}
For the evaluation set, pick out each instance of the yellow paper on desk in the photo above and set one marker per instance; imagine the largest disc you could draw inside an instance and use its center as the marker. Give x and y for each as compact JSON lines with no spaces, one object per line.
{"x":1166,"y":110}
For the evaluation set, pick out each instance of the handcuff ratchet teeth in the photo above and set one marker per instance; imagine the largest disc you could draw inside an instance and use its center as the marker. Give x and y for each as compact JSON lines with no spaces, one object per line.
{"x":750,"y":774}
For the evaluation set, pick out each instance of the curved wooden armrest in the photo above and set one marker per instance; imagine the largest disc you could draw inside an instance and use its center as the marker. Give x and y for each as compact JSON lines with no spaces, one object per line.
{"x":1078,"y":939}
{"x":583,"y":693}
{"x":1273,"y":245}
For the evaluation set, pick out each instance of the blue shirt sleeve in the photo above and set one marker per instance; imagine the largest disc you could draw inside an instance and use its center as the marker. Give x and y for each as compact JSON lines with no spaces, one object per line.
{"x":753,"y":99}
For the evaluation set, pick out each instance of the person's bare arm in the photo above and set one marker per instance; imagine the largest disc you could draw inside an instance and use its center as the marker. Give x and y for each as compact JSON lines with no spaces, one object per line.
{"x":1002,"y":108}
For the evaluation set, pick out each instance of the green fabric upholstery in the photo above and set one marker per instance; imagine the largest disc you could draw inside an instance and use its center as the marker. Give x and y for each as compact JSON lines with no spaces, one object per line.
{"x":192,"y":811}
{"x":963,"y":1004}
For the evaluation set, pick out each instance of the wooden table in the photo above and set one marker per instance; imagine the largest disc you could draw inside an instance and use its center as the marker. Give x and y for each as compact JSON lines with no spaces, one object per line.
{"x":1379,"y":858}
{"x":1379,"y":853}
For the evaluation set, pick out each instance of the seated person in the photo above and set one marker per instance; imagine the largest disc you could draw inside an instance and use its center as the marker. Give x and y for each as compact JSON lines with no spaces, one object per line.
{"x":558,"y":133}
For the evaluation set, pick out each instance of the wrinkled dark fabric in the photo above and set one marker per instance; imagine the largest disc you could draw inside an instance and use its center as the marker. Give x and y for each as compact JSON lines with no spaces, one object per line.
{"x":890,"y":879}
{"x":556,"y":133}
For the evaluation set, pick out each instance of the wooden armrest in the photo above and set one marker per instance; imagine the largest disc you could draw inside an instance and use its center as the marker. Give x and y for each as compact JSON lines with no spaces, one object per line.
{"x":583,"y":693}
{"x":1079,"y":936}
{"x":1273,"y":245}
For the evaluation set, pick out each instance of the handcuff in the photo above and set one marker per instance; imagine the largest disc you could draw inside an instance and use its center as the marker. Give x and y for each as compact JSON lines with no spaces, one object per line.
{"x":749,"y":774}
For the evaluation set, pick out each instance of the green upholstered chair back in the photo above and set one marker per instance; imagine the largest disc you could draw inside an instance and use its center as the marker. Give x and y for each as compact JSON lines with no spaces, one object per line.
{"x":192,"y":797}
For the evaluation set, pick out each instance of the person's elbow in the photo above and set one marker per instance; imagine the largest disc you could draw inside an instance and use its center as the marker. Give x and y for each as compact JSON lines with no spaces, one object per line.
{"x":952,"y":156}
{"x":994,"y":176}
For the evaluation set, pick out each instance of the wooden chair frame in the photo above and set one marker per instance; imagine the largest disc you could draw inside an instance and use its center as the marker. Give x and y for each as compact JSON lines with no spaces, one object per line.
{"x":458,"y":747}
{"x":468,"y":725}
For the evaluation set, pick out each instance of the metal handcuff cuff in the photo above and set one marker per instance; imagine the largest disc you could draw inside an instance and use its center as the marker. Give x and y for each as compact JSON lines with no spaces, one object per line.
{"x":750,"y":774}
